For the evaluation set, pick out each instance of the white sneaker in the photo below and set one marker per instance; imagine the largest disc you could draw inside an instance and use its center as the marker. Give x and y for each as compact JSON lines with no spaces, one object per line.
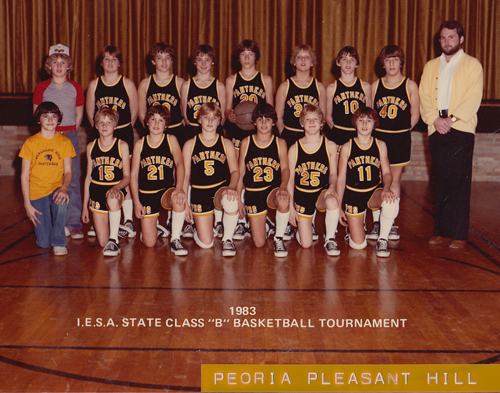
{"x":393,"y":234}
{"x":60,"y":250}
{"x":127,"y":229}
{"x":188,"y":231}
{"x":228,"y":249}
{"x":112,"y":249}
{"x":240,"y":232}
{"x":332,"y":248}
{"x":315,"y":234}
{"x":177,"y":248}
{"x":162,"y":231}
{"x":67,"y":232}
{"x":382,"y":250}
{"x":288,"y":232}
{"x":373,"y":235}
{"x":279,"y":248}
{"x":218,"y":230}
{"x":91,"y":232}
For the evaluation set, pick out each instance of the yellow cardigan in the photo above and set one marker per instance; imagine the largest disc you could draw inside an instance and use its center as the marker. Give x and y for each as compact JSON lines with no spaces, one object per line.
{"x":466,"y":93}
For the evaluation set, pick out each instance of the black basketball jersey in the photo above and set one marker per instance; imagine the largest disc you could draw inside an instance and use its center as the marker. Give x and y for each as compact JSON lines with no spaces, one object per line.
{"x":363,"y":166}
{"x":253,"y":89}
{"x":312,"y":169}
{"x":209,"y":166}
{"x":107,"y":165}
{"x":262,"y":164}
{"x":167,"y":95}
{"x":115,"y":97}
{"x":156,"y":171}
{"x":393,"y":107}
{"x":296,"y":98}
{"x":197,"y":96}
{"x":346,"y":100}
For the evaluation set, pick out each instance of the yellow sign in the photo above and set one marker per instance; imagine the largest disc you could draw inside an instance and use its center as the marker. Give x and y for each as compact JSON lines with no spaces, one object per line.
{"x":350,"y":378}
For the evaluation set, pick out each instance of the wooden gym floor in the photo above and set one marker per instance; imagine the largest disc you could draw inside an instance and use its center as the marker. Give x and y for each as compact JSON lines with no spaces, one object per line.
{"x":450,"y":301}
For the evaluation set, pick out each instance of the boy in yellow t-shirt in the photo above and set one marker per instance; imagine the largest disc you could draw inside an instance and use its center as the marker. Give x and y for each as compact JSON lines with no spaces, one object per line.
{"x":45,"y":178}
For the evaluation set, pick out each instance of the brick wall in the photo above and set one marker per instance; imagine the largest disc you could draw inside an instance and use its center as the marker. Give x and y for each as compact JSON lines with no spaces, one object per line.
{"x":486,"y":154}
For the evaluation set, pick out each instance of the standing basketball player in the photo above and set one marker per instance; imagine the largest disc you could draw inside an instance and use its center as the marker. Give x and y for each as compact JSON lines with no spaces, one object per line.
{"x":118,"y":93}
{"x":201,"y":88}
{"x":163,"y":88}
{"x":345,"y":96}
{"x":246,"y":85}
{"x":294,"y":93}
{"x":396,"y":101}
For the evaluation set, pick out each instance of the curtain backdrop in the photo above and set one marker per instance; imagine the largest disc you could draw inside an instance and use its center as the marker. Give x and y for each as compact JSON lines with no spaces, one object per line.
{"x":29,"y":27}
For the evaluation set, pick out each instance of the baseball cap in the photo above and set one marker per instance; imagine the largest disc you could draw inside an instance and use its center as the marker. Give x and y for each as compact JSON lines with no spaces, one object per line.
{"x":58,"y":49}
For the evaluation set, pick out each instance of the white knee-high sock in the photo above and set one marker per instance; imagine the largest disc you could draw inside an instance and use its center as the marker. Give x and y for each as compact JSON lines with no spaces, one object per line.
{"x":177,"y":223}
{"x":217,"y":215}
{"x":128,"y":209}
{"x":376,"y":215}
{"x":331,"y":222}
{"x":114,"y":224}
{"x":389,"y":213}
{"x":281,"y":221}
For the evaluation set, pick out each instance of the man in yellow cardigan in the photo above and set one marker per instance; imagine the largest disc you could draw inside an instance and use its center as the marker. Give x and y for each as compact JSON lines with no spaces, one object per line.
{"x":450,"y":92}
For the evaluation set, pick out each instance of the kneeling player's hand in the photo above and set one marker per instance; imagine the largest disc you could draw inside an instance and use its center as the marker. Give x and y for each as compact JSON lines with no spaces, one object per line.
{"x":283,"y":195}
{"x":85,"y":215}
{"x":388,"y":196}
{"x":139,"y":210}
{"x":113,"y":192}
{"x":294,"y":218}
{"x":179,"y":198}
{"x":232,"y":194}
{"x":342,"y":218}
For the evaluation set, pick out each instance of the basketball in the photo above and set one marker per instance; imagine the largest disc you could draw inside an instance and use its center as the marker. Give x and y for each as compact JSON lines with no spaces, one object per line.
{"x":243,"y":112}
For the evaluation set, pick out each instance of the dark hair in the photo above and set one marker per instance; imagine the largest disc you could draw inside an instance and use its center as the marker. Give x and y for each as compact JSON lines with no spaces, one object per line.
{"x":203,"y":50}
{"x":50,"y":59}
{"x":365,"y":111}
{"x":47,"y":107}
{"x":107,"y":111}
{"x":210,"y":107}
{"x":113,"y":51}
{"x":348,"y":50}
{"x":161,"y":47}
{"x":453,"y":25}
{"x":391,"y":51}
{"x":248,"y":45}
{"x":264,"y":110}
{"x":160,"y":110}
{"x":311,"y":108}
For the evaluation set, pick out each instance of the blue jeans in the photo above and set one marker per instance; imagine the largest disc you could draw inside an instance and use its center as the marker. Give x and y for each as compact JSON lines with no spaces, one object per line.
{"x":50,"y":231}
{"x":75,"y":197}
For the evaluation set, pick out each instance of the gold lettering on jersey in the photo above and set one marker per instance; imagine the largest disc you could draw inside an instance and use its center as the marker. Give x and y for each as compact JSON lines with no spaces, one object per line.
{"x":111,"y":102}
{"x":201,"y":100}
{"x":311,"y":165}
{"x":263,"y":161}
{"x":363,"y":160}
{"x":349,"y":95}
{"x":111,"y":161}
{"x":249,"y":89}
{"x":157,"y":160}
{"x":302,"y":99}
{"x":392,"y":100}
{"x":209,"y":155}
{"x":160,"y":98}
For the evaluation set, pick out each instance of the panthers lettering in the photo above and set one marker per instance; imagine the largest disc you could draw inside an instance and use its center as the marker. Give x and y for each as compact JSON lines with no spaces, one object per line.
{"x":296,"y":98}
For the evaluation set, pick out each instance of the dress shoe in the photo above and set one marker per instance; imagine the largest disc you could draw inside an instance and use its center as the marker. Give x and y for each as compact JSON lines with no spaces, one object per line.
{"x":439,"y":240}
{"x":456,"y":244}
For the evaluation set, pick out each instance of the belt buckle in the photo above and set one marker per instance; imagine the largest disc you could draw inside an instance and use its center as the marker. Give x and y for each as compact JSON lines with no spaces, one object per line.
{"x":443,"y":113}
